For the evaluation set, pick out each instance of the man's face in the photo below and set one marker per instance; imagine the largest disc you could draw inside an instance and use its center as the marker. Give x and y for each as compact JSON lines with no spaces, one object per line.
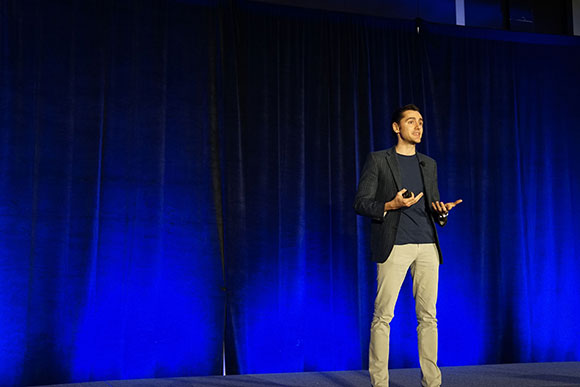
{"x":410,"y":128}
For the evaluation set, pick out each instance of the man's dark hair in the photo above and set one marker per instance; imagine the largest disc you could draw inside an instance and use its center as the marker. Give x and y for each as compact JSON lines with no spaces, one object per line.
{"x":398,"y":114}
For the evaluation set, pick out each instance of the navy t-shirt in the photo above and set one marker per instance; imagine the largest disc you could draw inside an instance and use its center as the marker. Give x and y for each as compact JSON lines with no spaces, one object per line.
{"x":415,"y":225}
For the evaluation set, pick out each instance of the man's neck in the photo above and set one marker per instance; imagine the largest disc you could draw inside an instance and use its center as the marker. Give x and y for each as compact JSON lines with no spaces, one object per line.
{"x":405,"y":149}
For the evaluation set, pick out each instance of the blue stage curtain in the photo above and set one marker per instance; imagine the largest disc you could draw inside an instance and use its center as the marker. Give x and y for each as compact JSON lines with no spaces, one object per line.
{"x":308,"y":95}
{"x":110,"y":262}
{"x":502,"y":118}
{"x":147,"y":145}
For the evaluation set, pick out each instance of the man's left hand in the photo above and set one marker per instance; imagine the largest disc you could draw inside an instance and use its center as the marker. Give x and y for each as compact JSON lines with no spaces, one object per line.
{"x":444,"y":208}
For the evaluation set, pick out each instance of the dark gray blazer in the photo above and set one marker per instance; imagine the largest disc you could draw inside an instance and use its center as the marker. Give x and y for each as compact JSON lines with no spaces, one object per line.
{"x":379,"y":182}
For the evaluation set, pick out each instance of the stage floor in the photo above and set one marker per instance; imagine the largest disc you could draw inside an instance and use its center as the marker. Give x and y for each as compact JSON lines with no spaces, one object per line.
{"x":501,"y":375}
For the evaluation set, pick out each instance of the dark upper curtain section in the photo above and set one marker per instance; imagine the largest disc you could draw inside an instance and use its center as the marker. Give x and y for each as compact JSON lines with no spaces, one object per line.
{"x":144,"y":146}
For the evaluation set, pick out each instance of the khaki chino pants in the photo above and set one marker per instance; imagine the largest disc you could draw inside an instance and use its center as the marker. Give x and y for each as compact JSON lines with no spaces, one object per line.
{"x":423,"y":260}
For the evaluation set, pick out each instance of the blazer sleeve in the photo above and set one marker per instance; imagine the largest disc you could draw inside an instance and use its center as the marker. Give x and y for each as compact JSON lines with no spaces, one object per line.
{"x":440,"y":221}
{"x":364,"y":201}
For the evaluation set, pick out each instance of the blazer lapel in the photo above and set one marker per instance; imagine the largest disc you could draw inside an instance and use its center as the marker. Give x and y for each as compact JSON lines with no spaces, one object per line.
{"x":394,"y":166}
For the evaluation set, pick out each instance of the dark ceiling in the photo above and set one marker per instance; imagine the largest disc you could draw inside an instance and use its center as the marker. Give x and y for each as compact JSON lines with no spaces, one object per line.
{"x":552,"y":17}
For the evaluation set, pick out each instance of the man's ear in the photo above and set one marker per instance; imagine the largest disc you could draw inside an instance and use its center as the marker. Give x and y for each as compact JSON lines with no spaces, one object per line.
{"x":396,"y":128}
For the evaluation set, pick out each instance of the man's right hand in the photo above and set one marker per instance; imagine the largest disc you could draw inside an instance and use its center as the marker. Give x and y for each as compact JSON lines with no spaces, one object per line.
{"x":399,"y":201}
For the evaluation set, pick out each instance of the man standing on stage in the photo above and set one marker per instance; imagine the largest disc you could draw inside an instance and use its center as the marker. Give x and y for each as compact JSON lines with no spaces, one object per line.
{"x":398,"y":191}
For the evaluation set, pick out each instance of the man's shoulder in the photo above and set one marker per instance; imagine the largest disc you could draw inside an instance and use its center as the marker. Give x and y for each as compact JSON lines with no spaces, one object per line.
{"x":380,"y":157}
{"x":391,"y":152}
{"x":382,"y":152}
